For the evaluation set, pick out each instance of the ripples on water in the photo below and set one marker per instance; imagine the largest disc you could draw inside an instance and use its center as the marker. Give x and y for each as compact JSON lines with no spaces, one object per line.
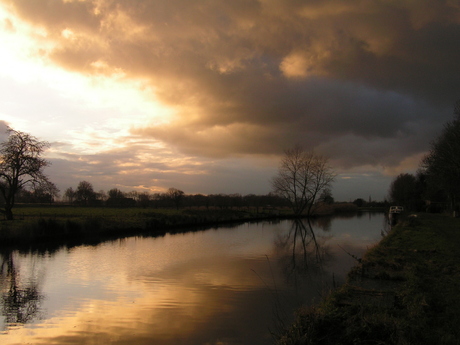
{"x":219,"y":286}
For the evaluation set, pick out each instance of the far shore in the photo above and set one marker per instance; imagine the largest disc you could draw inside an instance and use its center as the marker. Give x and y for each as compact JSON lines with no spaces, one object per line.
{"x":60,"y":224}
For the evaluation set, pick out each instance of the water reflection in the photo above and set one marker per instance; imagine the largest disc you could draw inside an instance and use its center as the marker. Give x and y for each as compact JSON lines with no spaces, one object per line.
{"x":221,"y":286}
{"x":20,"y":301}
{"x":299,"y":251}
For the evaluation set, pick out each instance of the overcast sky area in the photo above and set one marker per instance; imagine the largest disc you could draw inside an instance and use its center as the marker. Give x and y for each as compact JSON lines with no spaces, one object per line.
{"x":205,"y":96}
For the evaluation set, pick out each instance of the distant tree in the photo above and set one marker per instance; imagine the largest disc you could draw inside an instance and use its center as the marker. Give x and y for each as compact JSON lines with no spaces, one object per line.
{"x":116,"y":193}
{"x":156,"y":199}
{"x":70,"y":194}
{"x":236,"y":200}
{"x":435,"y":198}
{"x":46,"y":192}
{"x":143,"y":199}
{"x":360,"y":202}
{"x":85,"y":193}
{"x":101,"y":195}
{"x":199,"y":200}
{"x":301,"y":178}
{"x":117,"y":198}
{"x":326,"y":196}
{"x":21,"y":165}
{"x":405,"y":191}
{"x":251,"y":200}
{"x":134,"y":194}
{"x":51,"y":189}
{"x":442,"y":164}
{"x":176,"y":196}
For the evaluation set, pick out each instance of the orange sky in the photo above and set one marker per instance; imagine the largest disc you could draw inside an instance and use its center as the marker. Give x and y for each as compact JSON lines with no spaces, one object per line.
{"x":205,"y":95}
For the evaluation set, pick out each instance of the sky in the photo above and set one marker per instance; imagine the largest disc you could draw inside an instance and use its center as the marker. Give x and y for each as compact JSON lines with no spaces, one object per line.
{"x":206,"y":95}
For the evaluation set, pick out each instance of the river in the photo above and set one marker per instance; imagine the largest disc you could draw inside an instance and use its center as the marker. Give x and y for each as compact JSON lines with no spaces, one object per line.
{"x":228,"y":285}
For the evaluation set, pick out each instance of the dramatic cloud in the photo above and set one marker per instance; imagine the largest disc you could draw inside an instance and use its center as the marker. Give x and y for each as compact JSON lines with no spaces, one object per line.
{"x":367,"y":83}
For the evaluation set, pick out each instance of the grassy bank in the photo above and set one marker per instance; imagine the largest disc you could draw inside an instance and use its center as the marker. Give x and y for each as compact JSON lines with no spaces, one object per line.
{"x":58,"y":223}
{"x":46,"y":223}
{"x":405,"y":291}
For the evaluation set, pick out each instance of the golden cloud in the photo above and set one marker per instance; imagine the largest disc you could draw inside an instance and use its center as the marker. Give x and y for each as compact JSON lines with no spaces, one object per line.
{"x":248,"y":77}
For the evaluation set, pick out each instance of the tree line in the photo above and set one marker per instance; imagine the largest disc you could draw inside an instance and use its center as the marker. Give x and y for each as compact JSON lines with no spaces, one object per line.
{"x":303,"y":180}
{"x":85,"y":195}
{"x":435,"y":187}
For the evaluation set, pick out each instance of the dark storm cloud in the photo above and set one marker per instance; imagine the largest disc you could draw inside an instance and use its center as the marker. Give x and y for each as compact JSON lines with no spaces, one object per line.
{"x":365,"y":82}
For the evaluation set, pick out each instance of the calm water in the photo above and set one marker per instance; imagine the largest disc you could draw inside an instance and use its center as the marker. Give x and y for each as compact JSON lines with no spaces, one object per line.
{"x":231,"y":285}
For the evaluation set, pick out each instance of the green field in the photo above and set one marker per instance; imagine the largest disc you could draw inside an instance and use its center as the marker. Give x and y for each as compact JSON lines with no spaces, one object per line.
{"x":45,"y":223}
{"x":405,"y":291}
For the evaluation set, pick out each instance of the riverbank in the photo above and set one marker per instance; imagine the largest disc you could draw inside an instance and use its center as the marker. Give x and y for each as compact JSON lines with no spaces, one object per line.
{"x":404,"y":291}
{"x":58,"y":224}
{"x":63,"y":224}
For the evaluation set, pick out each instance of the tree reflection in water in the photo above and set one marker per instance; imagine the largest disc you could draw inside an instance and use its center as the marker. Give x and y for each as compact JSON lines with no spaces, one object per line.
{"x":20,"y":302}
{"x":301,"y":253}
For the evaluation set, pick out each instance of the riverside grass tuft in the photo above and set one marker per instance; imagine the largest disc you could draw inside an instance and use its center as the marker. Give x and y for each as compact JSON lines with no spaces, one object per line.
{"x":405,"y":291}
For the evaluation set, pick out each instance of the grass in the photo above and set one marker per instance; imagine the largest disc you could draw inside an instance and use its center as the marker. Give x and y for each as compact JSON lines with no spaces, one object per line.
{"x":405,"y":291}
{"x":54,"y":223}
{"x":63,"y":223}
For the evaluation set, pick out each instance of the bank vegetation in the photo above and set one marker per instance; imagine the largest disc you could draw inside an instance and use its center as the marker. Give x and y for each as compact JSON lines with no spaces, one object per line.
{"x":404,"y":291}
{"x":61,"y":223}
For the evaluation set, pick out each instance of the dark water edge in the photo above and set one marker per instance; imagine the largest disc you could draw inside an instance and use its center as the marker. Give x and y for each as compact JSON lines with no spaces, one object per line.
{"x":48,"y":234}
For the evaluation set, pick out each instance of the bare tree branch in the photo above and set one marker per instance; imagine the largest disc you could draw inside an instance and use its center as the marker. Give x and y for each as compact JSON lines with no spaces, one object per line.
{"x":301,"y":178}
{"x":21,"y":165}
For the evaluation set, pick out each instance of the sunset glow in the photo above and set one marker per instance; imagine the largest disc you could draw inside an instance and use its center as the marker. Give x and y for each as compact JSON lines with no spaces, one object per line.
{"x":205,"y":96}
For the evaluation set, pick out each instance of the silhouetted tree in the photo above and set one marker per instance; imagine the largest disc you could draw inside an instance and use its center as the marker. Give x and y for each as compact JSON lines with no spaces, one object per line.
{"x":39,"y":194}
{"x":301,"y":178}
{"x":49,"y":190}
{"x":70,"y":194}
{"x":360,"y":202}
{"x":408,"y":190}
{"x":176,"y":196}
{"x":199,"y":200}
{"x":442,"y":164}
{"x":403,"y":191}
{"x":85,"y":193}
{"x":134,"y":194}
{"x":116,"y":193}
{"x":21,"y":165}
{"x":101,"y":195}
{"x":143,"y":199}
{"x":326,"y":196}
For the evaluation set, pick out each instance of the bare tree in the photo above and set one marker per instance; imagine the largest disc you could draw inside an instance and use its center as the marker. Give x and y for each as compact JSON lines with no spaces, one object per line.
{"x":176,"y":195}
{"x":101,"y":195}
{"x":21,"y":165}
{"x":144,"y":199}
{"x":85,"y":192}
{"x":115,"y":193}
{"x":70,"y":194}
{"x":45,"y":192}
{"x":326,"y":196}
{"x":301,"y":178}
